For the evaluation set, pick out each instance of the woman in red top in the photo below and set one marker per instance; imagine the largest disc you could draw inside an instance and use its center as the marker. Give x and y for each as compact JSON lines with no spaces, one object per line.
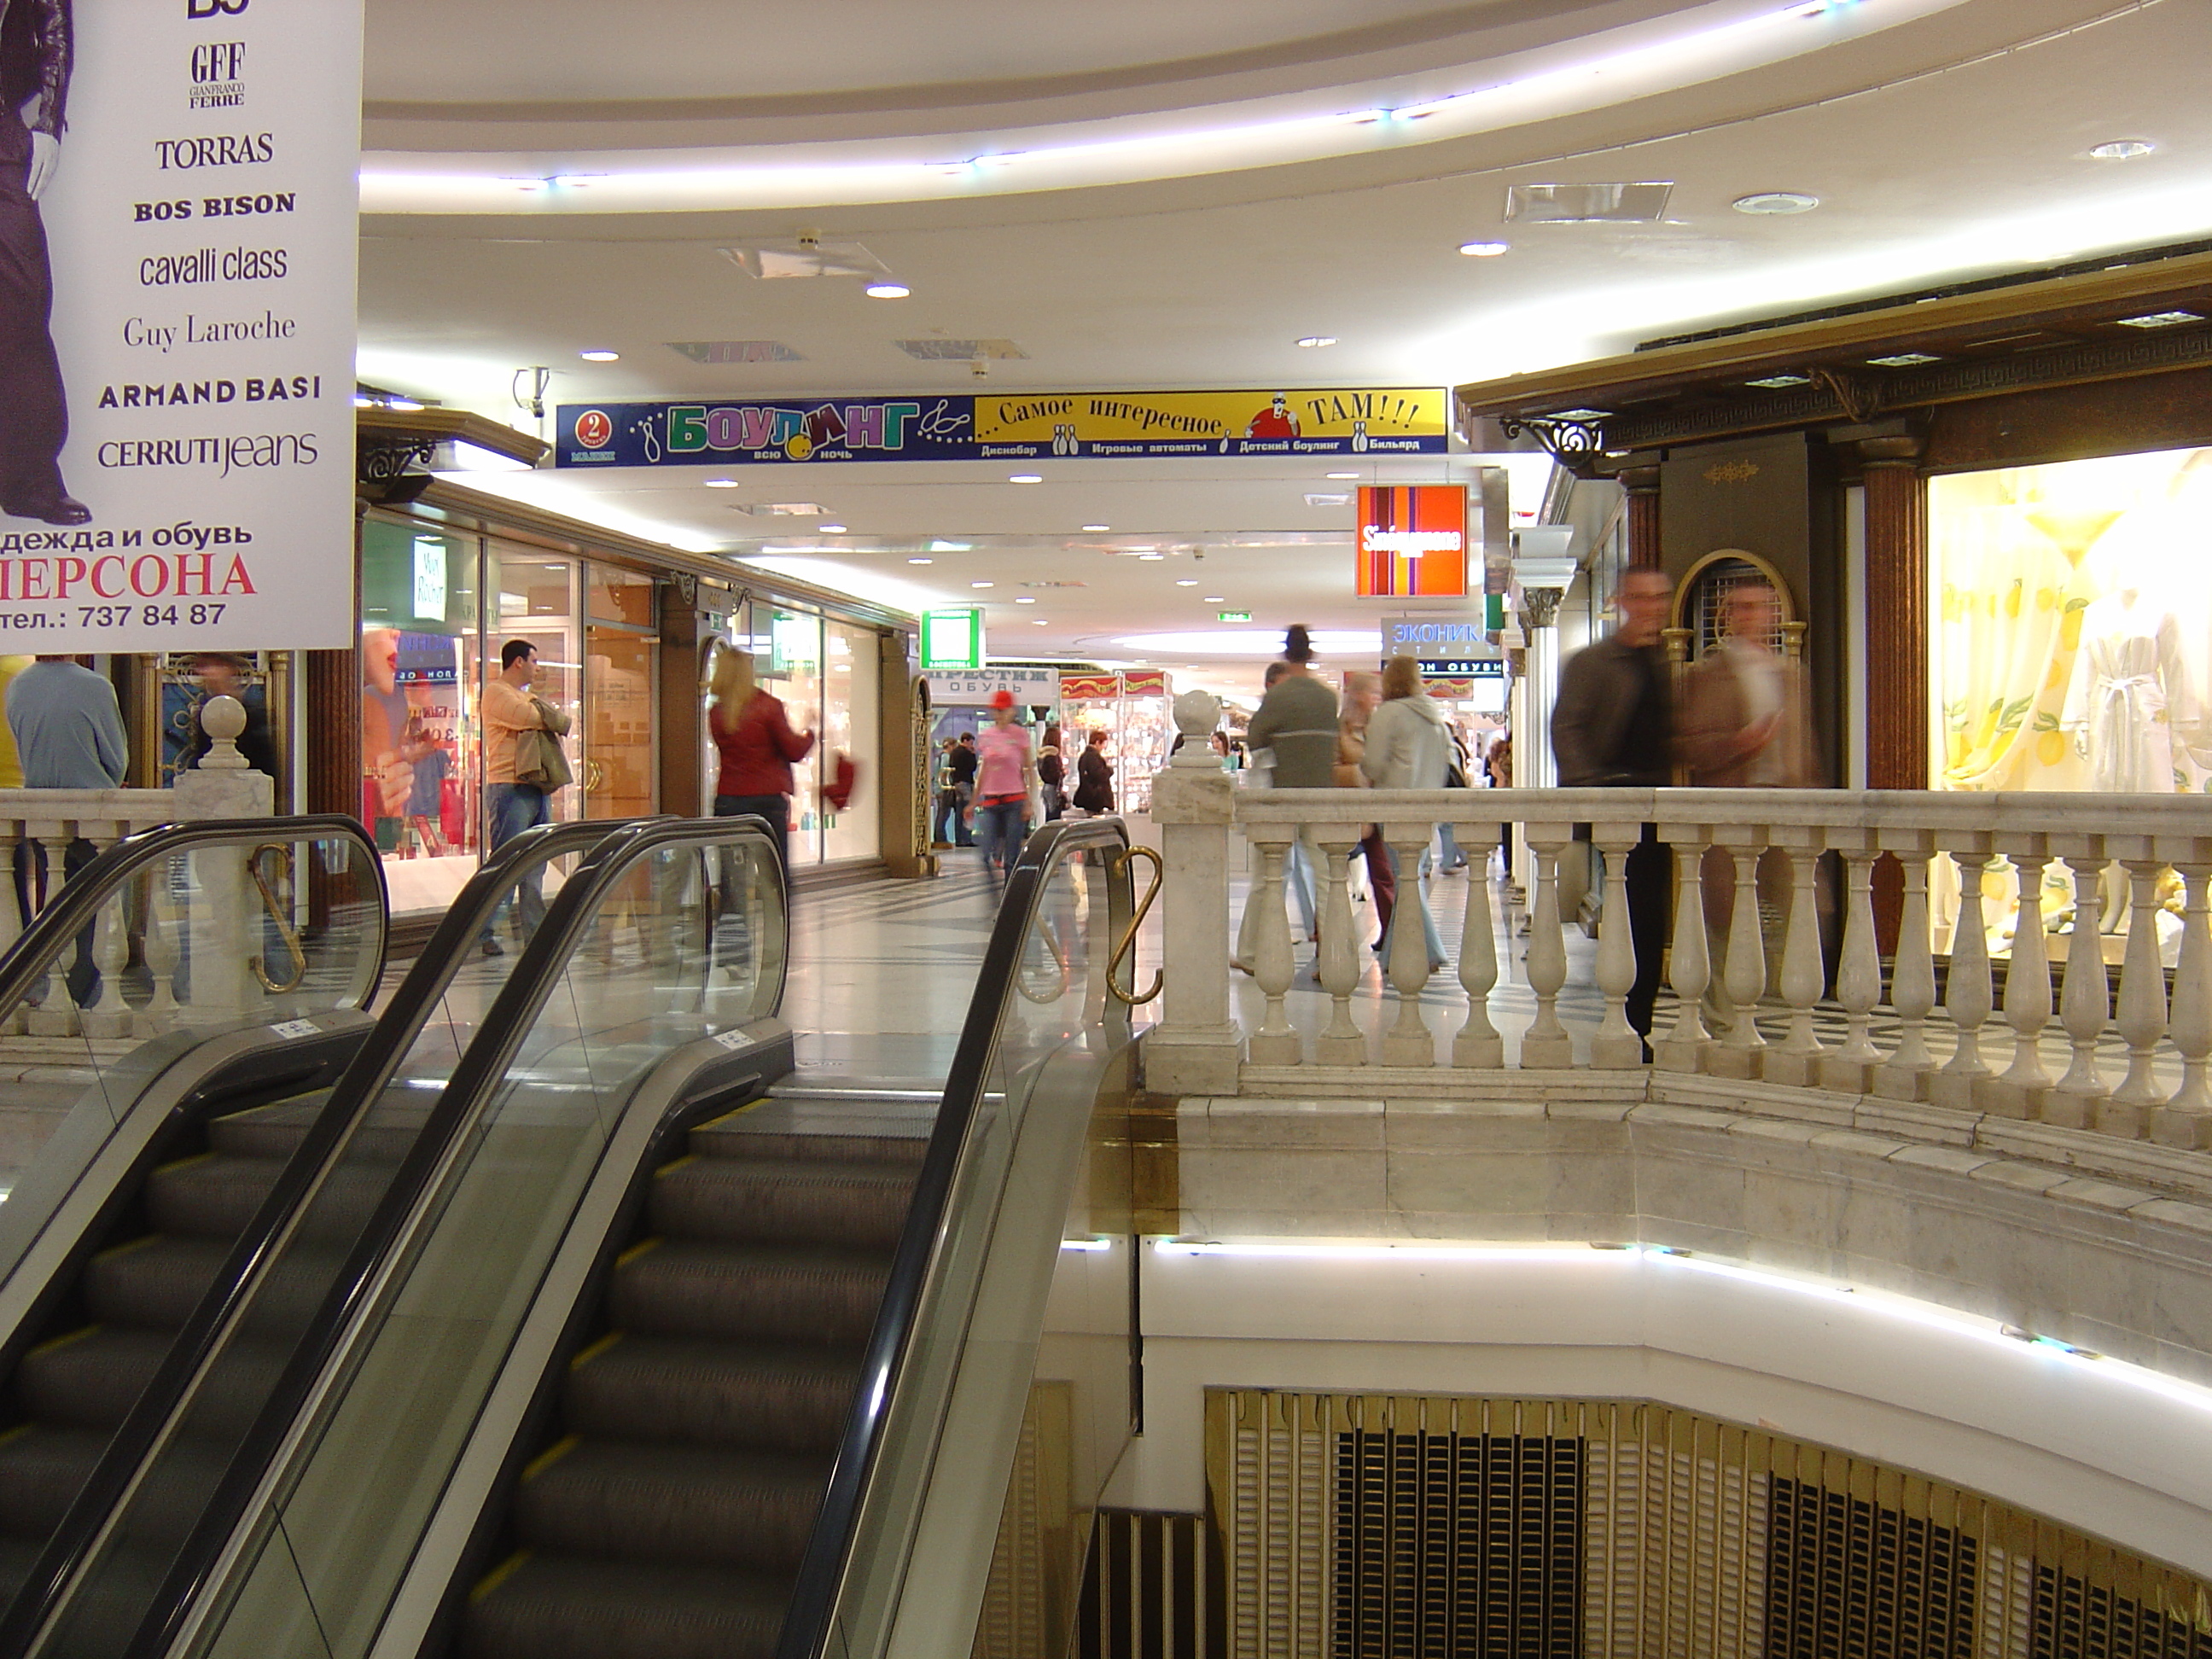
{"x":757,"y":747}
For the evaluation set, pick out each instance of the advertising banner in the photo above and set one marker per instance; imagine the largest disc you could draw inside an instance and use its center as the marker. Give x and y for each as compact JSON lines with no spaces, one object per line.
{"x":1090,"y":687}
{"x":1031,"y":687}
{"x":1411,"y":542}
{"x":1028,"y":425}
{"x":178,"y":203}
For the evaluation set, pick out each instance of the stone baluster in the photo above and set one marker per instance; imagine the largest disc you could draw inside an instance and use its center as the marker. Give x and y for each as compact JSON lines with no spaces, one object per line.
{"x":1342,"y":1042}
{"x":1547,"y":1046}
{"x":1849,"y":1068}
{"x":1744,"y":974}
{"x":2142,"y":1006}
{"x":163,"y":927}
{"x":1276,"y":1041}
{"x":2186,"y":1119}
{"x":1477,"y":1044}
{"x":51,"y":1011}
{"x":1903,"y":1075}
{"x":2086,"y":1004}
{"x":1796,"y":1060}
{"x":107,"y":1015}
{"x":1690,"y":967}
{"x":1968,"y":996}
{"x":1409,"y":1041}
{"x":1617,"y":1045}
{"x":2026,"y":1084}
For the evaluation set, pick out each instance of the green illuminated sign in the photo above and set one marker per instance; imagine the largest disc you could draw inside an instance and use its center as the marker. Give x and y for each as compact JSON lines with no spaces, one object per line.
{"x":952,"y":639}
{"x":1235,"y":616}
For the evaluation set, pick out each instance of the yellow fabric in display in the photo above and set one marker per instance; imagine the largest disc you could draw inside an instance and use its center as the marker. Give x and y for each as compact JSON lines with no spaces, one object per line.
{"x":11,"y":763}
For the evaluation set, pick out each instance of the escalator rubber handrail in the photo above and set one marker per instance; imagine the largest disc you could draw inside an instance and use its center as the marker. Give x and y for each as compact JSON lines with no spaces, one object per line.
{"x":468,"y":1093}
{"x":75,"y":906}
{"x":821,"y":1570}
{"x":360,"y":1085}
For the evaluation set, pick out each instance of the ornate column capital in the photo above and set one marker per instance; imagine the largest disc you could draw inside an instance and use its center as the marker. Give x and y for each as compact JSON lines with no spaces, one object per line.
{"x":1889,"y":452}
{"x":1540,"y":606}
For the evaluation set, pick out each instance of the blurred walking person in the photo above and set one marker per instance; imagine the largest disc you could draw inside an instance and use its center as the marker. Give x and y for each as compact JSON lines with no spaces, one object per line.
{"x":753,"y":734}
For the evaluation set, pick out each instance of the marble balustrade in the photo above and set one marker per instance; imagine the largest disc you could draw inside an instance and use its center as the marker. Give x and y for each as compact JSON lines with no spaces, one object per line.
{"x":1973,"y":1052}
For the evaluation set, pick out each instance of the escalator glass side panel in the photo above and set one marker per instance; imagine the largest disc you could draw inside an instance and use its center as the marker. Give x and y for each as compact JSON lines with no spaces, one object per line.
{"x":334,"y":1159}
{"x":955,"y":1348}
{"x":666,"y":950}
{"x":169,"y":940}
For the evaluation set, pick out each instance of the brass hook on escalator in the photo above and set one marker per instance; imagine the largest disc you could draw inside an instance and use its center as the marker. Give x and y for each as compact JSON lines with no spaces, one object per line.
{"x":284,"y":928}
{"x":1126,"y":950}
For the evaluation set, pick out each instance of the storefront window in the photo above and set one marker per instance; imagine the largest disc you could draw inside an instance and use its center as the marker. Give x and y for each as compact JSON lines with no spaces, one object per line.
{"x":620,"y":654}
{"x":850,"y":714}
{"x":537,"y":603}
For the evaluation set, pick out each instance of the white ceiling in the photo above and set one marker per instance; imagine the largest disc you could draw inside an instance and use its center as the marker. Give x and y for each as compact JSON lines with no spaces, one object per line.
{"x":1954,"y":141}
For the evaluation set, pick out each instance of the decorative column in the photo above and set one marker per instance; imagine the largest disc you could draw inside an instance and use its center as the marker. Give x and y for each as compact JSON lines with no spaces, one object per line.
{"x":1641,"y":484}
{"x":1896,"y":613}
{"x":1533,"y":767}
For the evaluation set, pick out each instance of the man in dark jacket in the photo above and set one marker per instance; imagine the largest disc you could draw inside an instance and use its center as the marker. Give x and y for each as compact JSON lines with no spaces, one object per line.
{"x":1613,"y":726}
{"x":35,"y":75}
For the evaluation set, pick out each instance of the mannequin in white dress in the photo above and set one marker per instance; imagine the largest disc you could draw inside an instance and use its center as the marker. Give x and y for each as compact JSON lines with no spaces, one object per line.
{"x":2129,"y":693}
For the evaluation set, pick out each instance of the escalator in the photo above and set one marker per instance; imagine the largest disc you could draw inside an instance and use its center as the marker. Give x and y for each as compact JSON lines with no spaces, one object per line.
{"x":660,"y":1357}
{"x":200,"y":1083}
{"x":245,"y":956}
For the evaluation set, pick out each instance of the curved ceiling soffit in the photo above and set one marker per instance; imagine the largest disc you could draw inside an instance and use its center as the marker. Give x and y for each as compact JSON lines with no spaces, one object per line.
{"x":1783,"y":43}
{"x":1977,"y":32}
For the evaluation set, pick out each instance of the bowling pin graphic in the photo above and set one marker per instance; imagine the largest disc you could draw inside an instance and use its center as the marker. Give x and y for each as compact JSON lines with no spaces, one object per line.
{"x":1359,"y":437}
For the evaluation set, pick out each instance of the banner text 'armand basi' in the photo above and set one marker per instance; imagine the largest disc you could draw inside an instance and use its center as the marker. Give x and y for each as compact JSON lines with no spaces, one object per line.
{"x":1026,"y":426}
{"x":177,"y":217}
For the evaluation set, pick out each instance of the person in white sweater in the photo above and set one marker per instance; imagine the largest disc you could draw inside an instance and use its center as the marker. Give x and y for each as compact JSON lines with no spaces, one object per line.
{"x":1408,"y":747}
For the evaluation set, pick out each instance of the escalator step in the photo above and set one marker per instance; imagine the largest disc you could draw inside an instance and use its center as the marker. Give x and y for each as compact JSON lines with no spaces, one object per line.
{"x":550,"y":1607}
{"x":276,"y":1131}
{"x":784,"y":1202}
{"x":774,"y":1397}
{"x":155,"y":1281}
{"x":41,"y":1469}
{"x":211,"y":1196}
{"x":90,"y":1378}
{"x":17,"y":1557}
{"x":716,"y":1140}
{"x":799,"y":1293}
{"x":665,"y":1503}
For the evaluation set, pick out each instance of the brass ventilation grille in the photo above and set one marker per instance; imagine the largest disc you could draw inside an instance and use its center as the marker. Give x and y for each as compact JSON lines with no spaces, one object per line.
{"x":1144,"y":1588}
{"x":1355,"y":1525}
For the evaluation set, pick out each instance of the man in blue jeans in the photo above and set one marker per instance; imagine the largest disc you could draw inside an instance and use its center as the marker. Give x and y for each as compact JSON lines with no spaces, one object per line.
{"x":512,"y":807}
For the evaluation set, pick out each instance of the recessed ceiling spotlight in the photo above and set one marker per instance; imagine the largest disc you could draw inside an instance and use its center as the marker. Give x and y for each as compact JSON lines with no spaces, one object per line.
{"x":1025,"y":598}
{"x":1776,"y":201}
{"x":1214,"y":599}
{"x":1776,"y":382}
{"x":981,"y":584}
{"x":2160,"y":319}
{"x":721,"y":483}
{"x":1485,"y":250}
{"x":1343,"y":475}
{"x":1096,"y":529}
{"x":936,"y":546}
{"x":1152,"y":558}
{"x":830,"y":529}
{"x":1312,"y":341}
{"x":600,"y":356}
{"x":1040,"y":622}
{"x":1186,"y":581}
{"x":1026,"y":478}
{"x":2122,"y":150}
{"x":922,"y":561}
{"x":887,"y":290}
{"x":1903,"y":360}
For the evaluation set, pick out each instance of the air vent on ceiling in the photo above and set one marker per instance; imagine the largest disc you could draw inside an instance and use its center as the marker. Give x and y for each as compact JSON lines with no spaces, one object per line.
{"x":780,"y":509}
{"x":1575,"y":204}
{"x":736,"y":351}
{"x":1329,"y":498}
{"x":802,"y":256}
{"x":1055,"y":584}
{"x":959,"y":351}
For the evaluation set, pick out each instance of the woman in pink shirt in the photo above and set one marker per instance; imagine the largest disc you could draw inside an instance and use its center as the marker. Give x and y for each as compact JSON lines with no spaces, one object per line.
{"x":1000,"y":813}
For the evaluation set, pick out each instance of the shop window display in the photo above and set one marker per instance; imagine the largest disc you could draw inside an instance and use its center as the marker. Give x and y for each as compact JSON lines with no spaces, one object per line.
{"x":2072,"y":649}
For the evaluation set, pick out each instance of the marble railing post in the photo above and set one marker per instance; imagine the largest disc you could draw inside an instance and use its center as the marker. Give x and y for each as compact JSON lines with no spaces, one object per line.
{"x":1744,"y":974}
{"x":1409,"y":1041}
{"x":1689,"y":959}
{"x":1850,"y":1069}
{"x":2186,"y":1119}
{"x":2021,"y":1091}
{"x":1968,"y":997}
{"x":1342,"y":1043}
{"x":1547,"y":1046}
{"x":2142,"y":1000}
{"x":1903,"y":1075}
{"x":1195,"y":1049}
{"x":1795,"y":1060}
{"x":1276,"y":1041}
{"x":1616,"y":1047}
{"x":1477,"y":1044}
{"x":2086,"y":1006}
